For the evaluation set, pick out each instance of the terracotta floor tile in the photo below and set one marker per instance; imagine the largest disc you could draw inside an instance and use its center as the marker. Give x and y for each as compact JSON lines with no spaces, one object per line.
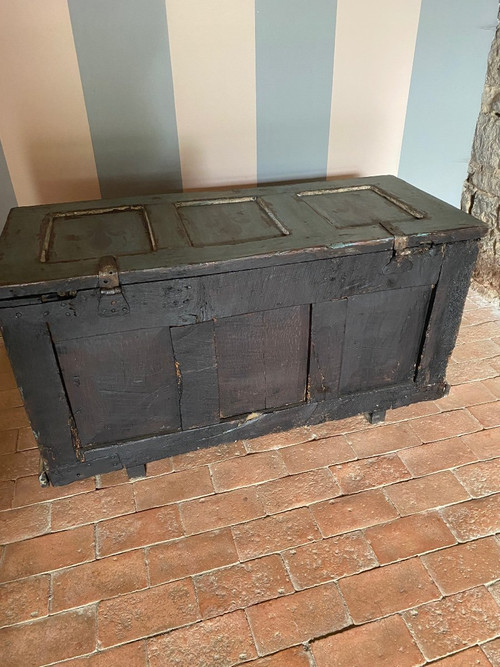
{"x":191,"y":555}
{"x":319,"y":562}
{"x":297,"y":490}
{"x":129,"y":655}
{"x":495,"y":363}
{"x":454,"y":622}
{"x":384,"y":590}
{"x":424,"y":493}
{"x":225,"y":639}
{"x":382,"y":439}
{"x":242,"y":585}
{"x":445,"y":425}
{"x":49,"y":639}
{"x":437,"y":456}
{"x":464,"y":395}
{"x":482,"y":349}
{"x":47,"y":552}
{"x":475,"y":518}
{"x":160,"y":467}
{"x":24,"y":600}
{"x":19,"y":464}
{"x":409,"y":536}
{"x":317,"y":454}
{"x":176,"y":486}
{"x":275,"y":533}
{"x":201,"y":457}
{"x":353,"y":512}
{"x":29,"y":492}
{"x":369,"y":473}
{"x":480,"y":479}
{"x":25,"y":439}
{"x":221,"y":510}
{"x":380,"y":644}
{"x":112,"y":479}
{"x":7,"y":379}
{"x":6,"y":495}
{"x":494,"y":589}
{"x":292,"y":657}
{"x":487,"y":414}
{"x":492,"y":651}
{"x":422,"y":409}
{"x":146,"y":612}
{"x":13,"y":418}
{"x":480,"y":315}
{"x":91,"y":507}
{"x":485,"y":444}
{"x":470,"y":371}
{"x":296,"y":618}
{"x":25,"y":522}
{"x":138,"y":530}
{"x":278,"y":440}
{"x":493,"y":385}
{"x":465,"y":565}
{"x":98,"y":580}
{"x":477,"y":332}
{"x":250,"y":469}
{"x":8,"y":442}
{"x":340,"y":426}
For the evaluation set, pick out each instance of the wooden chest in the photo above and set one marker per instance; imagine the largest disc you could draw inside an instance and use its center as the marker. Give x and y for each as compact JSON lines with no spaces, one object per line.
{"x":149,"y":326}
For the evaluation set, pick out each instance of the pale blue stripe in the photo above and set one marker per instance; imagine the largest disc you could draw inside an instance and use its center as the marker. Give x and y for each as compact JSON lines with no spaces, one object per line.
{"x":294,"y":43}
{"x":124,"y":59}
{"x":453,"y":41}
{"x":7,"y":196}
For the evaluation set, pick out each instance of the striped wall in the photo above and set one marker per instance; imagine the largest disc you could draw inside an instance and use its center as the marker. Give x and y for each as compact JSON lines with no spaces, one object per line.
{"x":105,"y":98}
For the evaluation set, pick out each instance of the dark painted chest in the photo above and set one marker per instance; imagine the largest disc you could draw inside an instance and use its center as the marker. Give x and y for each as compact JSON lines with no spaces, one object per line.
{"x":145,"y":327}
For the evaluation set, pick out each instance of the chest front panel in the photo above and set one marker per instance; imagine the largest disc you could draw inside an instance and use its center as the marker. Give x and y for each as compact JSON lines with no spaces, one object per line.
{"x":208,"y":350}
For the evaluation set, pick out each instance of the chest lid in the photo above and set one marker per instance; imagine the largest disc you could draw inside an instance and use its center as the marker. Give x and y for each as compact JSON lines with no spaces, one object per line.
{"x":60,"y":246}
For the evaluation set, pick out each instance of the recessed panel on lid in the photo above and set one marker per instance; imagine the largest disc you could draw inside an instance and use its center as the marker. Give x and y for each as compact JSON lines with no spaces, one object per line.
{"x":350,"y":207}
{"x":228,"y":221}
{"x":94,"y":233}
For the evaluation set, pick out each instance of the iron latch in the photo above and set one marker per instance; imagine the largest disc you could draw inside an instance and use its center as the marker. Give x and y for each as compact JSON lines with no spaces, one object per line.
{"x":111,"y":299}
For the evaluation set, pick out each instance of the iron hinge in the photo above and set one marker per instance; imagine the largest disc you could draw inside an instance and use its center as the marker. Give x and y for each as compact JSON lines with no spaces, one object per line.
{"x":111,"y":299}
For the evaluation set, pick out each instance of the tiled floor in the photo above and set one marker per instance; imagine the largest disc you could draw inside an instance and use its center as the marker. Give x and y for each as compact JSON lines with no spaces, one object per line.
{"x":341,"y":545}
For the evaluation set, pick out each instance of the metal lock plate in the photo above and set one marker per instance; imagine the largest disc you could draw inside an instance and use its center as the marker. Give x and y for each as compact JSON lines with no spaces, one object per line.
{"x":111,"y":299}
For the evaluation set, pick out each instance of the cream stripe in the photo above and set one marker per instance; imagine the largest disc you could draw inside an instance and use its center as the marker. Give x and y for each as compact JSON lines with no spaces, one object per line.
{"x":212,"y":46}
{"x":43,"y":123}
{"x":374,"y":49}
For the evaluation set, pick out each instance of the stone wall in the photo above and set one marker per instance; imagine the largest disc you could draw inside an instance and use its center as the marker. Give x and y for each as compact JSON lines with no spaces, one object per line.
{"x":481,"y":193}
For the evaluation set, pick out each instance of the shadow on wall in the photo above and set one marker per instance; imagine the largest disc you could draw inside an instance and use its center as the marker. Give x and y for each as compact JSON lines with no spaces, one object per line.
{"x":43,"y":181}
{"x":78,"y":183}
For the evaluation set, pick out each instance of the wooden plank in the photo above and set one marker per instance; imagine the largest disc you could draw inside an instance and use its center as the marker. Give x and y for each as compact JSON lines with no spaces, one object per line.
{"x":285,"y":346}
{"x":156,"y":447}
{"x":196,"y":365}
{"x":37,"y":374}
{"x":121,"y":385}
{"x":327,"y":342}
{"x":179,"y":302}
{"x":262,"y":359}
{"x":383,"y":337}
{"x":447,"y":307}
{"x":240,"y":360}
